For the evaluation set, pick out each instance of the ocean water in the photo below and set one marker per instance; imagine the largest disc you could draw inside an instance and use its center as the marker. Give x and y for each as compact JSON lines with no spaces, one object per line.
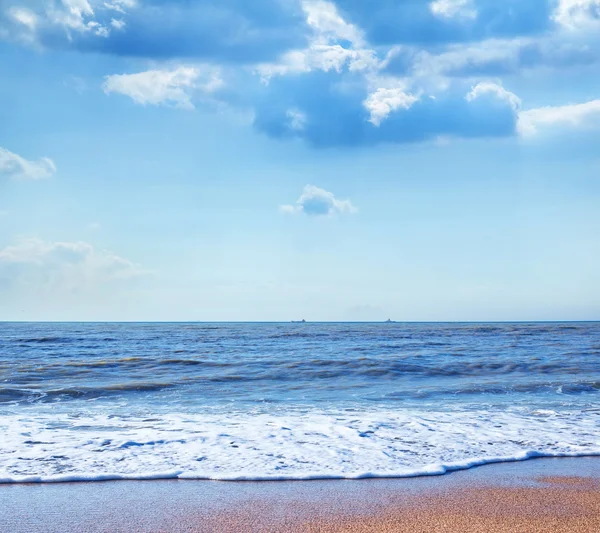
{"x":93,"y":401}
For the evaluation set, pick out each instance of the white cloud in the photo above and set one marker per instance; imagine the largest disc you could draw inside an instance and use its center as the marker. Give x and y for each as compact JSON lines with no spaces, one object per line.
{"x":324,"y":51}
{"x":70,"y":265}
{"x":120,"y":5}
{"x":16,"y":167}
{"x":468,"y":56}
{"x":24,"y":16}
{"x":168,"y":87}
{"x":575,"y":14}
{"x":26,"y":24}
{"x":117,"y":24}
{"x":328,"y":24}
{"x":453,"y":8}
{"x":325,"y":57}
{"x":98,"y":29}
{"x":385,"y":101}
{"x":486,"y":87}
{"x":73,"y":16}
{"x":318,"y":202}
{"x":500,"y":57}
{"x":574,"y":115}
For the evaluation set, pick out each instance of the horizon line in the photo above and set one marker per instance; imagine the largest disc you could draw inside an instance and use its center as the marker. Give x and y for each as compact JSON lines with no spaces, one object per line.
{"x":298,"y":321}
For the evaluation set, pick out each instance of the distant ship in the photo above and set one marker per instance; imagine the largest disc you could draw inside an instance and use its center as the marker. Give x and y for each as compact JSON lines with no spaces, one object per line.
{"x":390,"y":320}
{"x":298,"y":321}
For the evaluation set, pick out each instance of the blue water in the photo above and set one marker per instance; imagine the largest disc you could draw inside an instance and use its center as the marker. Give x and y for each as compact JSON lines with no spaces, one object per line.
{"x":273,"y":401}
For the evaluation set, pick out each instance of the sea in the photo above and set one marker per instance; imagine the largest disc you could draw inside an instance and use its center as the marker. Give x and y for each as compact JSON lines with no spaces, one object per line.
{"x":272,"y":401}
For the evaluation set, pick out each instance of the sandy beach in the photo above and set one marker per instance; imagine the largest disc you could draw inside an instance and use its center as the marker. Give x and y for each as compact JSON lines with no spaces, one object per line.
{"x":544,"y":495}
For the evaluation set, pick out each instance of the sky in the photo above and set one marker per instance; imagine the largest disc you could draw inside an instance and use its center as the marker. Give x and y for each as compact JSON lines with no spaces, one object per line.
{"x":273,"y":160}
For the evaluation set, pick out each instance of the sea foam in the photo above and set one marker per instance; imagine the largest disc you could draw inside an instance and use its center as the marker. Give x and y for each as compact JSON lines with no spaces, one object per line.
{"x":312,"y":444}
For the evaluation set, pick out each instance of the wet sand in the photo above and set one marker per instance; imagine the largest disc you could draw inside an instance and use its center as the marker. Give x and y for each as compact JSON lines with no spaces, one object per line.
{"x":543,"y":495}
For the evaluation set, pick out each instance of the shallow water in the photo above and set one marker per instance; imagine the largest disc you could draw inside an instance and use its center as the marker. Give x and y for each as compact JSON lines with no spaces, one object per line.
{"x":291,"y":401}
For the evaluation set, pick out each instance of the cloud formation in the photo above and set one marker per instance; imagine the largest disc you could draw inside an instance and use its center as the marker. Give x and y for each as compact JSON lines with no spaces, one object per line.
{"x":228,"y":30}
{"x":487,"y":88}
{"x":385,"y":101}
{"x":62,"y":23}
{"x":332,"y":73}
{"x":62,"y":265}
{"x":16,"y":167}
{"x":407,"y":72}
{"x":447,"y":21}
{"x":318,"y":202}
{"x":343,"y":112}
{"x":168,"y":87}
{"x":577,"y":14}
{"x":532,"y":121}
{"x":453,"y":8}
{"x":333,"y":45}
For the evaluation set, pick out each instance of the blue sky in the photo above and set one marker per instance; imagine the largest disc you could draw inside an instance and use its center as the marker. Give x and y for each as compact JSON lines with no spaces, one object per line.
{"x":286,"y":159}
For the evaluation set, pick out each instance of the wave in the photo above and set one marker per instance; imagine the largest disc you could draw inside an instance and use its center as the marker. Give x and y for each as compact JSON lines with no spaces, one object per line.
{"x":42,"y":340}
{"x":202,"y":385}
{"x":12,"y":394}
{"x":432,"y":470}
{"x":368,"y":366}
{"x":388,"y":365}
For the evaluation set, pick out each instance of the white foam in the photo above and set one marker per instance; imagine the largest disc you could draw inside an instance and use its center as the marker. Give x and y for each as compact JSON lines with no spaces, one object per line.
{"x":53,"y":447}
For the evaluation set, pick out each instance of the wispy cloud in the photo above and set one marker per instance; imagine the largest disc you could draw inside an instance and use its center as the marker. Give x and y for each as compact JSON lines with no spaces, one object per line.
{"x":36,"y":23}
{"x":167,"y":87}
{"x":16,"y":167}
{"x":532,"y":121}
{"x":453,"y":8}
{"x":68,"y":265}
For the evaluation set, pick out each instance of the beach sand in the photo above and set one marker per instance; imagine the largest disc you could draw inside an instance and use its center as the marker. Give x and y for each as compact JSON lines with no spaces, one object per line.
{"x":542,"y":495}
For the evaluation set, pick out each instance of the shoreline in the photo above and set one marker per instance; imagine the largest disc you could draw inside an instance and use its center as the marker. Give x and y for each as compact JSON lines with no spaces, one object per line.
{"x":558,"y":494}
{"x":442,"y":470}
